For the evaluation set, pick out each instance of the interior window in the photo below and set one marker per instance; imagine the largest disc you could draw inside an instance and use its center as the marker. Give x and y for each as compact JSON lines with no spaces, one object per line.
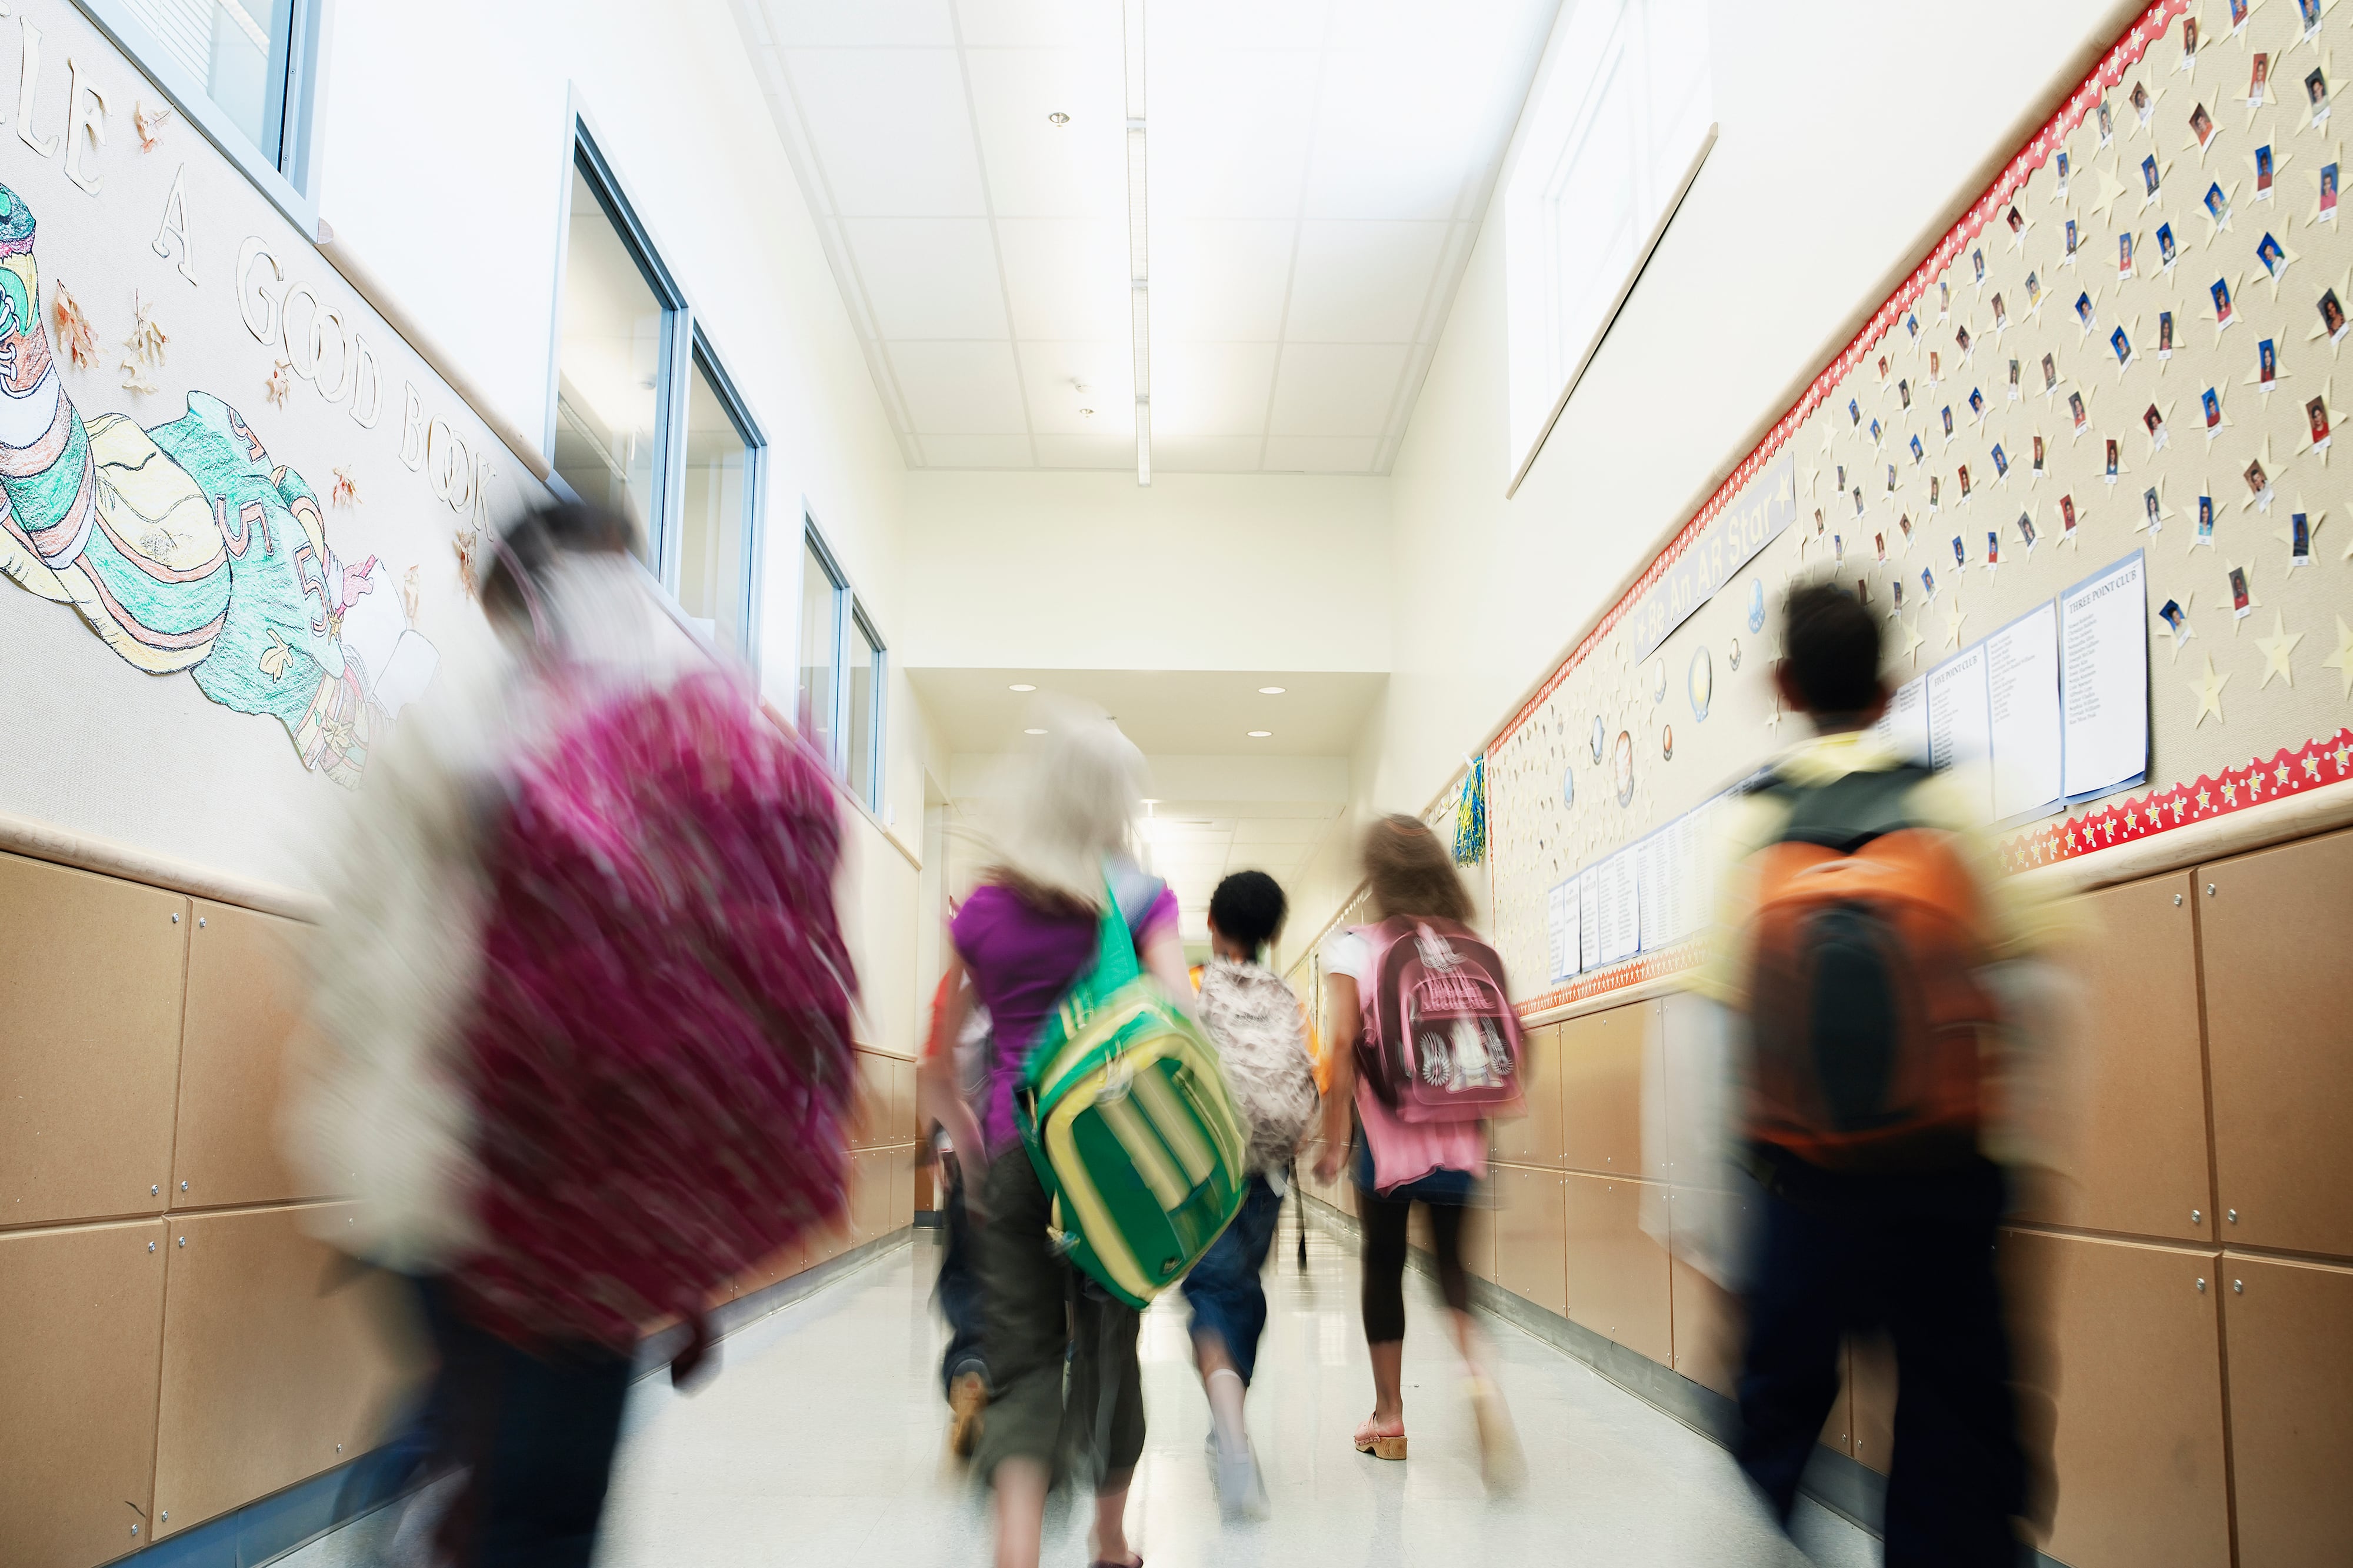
{"x":609,"y":371}
{"x":714,"y":523}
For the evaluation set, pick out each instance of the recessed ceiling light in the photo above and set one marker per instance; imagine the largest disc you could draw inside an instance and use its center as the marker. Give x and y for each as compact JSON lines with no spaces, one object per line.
{"x":1260,"y":734}
{"x":1021,"y":685}
{"x":1270,"y":690}
{"x":1057,"y":119}
{"x":1033,"y":731}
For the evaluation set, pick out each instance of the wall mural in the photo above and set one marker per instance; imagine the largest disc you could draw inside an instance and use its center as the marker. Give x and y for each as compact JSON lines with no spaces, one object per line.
{"x":187,"y":549}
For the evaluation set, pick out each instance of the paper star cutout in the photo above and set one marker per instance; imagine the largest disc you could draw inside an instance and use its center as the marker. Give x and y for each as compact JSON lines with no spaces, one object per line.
{"x":2308,"y":445}
{"x":2311,"y":530}
{"x":2111,"y":187}
{"x":2341,"y":661}
{"x":2142,"y":523}
{"x":1953,"y":616}
{"x":2315,"y":114}
{"x":2231,"y":281}
{"x":2287,"y":256}
{"x":2260,"y":500}
{"x":2276,"y":649}
{"x":2197,"y":148}
{"x":1913,"y":639}
{"x":2253,"y":603}
{"x":2335,"y":159}
{"x":2149,"y":198}
{"x":2187,"y":630}
{"x":2207,"y":689}
{"x":2218,"y":224}
{"x":2281,"y":158}
{"x":2342,"y":287}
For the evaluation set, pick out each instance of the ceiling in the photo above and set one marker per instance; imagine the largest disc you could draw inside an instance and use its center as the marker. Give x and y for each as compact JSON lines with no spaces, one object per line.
{"x":1317,"y":171}
{"x":1193,"y":849}
{"x":1185,"y":713}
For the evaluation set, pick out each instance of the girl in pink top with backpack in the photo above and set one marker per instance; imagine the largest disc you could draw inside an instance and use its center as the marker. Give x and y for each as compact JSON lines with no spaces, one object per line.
{"x":1436,"y":1052}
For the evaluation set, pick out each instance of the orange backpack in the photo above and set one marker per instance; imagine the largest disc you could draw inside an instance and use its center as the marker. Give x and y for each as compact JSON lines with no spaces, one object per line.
{"x":1865,"y":1010}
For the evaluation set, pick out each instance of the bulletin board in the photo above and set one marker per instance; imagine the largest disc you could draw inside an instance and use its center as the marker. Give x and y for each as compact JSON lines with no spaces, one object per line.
{"x":2089,"y":465}
{"x":238,"y":513}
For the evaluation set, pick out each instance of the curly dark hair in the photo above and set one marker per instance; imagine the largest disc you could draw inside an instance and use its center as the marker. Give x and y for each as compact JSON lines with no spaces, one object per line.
{"x":1248,"y":908}
{"x":1409,"y":872}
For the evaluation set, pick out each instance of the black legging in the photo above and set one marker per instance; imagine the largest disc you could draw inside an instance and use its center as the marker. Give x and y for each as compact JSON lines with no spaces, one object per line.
{"x":1384,"y":1222}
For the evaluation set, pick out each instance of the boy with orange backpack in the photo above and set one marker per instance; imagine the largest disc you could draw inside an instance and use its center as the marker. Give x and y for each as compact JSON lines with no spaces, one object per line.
{"x":1862,"y":933}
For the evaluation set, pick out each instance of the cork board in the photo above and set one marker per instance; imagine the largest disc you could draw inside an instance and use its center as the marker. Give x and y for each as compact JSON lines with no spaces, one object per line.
{"x":2023,"y":350}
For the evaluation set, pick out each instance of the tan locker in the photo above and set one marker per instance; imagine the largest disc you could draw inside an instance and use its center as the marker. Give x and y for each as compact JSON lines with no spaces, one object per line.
{"x":1532,"y":1138}
{"x":903,"y":1104}
{"x":84,"y":1309}
{"x":1708,"y":1328}
{"x":1683,"y":1055}
{"x":2138,"y":1445}
{"x":2289,"y":1327}
{"x":1602,"y":1085}
{"x":2140,"y":1162}
{"x":1618,"y":1284}
{"x":1838,"y":1427}
{"x":1530,"y":1230}
{"x":245,"y":1007}
{"x":1479,"y":1236}
{"x":90,"y":1051}
{"x":902,"y":1161}
{"x":278,"y":1362}
{"x":2279,"y":989}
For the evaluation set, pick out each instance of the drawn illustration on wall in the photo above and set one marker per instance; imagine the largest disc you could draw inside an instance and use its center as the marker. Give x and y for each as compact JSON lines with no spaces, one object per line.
{"x":185,"y":548}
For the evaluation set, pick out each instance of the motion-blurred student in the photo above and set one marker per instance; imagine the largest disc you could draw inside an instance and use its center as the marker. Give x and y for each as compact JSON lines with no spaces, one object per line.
{"x":1060,"y":1352}
{"x":1861,"y":936}
{"x":948,"y":1078}
{"x":1399,"y":1162}
{"x":1255,"y":1020}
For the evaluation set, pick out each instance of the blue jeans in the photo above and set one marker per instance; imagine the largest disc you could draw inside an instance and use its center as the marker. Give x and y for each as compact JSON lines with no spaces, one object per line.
{"x":959,"y":1284}
{"x":1223,"y":1290}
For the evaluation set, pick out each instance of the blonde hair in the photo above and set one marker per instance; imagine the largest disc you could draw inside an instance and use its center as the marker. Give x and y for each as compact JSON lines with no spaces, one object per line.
{"x":1077,"y":806}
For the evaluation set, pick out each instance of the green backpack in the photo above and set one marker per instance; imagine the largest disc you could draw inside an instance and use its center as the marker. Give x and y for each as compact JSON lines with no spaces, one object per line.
{"x":1128,"y":1121}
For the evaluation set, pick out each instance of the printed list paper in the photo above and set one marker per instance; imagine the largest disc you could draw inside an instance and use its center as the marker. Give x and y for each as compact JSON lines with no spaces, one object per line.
{"x":1960,"y":728}
{"x":2023,"y":715}
{"x":2104,"y":642}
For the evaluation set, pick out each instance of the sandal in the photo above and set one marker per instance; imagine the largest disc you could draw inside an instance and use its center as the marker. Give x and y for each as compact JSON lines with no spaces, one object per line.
{"x":1380,"y":1445}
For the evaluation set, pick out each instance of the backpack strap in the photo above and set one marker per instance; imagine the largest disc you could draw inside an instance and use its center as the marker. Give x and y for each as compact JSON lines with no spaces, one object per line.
{"x":1848,"y":811}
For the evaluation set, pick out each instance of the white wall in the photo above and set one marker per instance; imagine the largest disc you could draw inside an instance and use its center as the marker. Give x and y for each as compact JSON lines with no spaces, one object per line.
{"x":1067,"y":570}
{"x":1846,"y":129}
{"x":446,"y":164}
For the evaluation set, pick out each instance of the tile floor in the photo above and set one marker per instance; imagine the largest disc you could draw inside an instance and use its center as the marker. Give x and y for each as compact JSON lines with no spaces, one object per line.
{"x":820,"y":1444}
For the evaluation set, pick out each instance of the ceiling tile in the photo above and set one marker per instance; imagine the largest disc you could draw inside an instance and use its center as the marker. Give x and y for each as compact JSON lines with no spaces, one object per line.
{"x":1210,"y":389}
{"x":1219,"y":280}
{"x":1035,"y":168}
{"x":929,"y":277}
{"x":1067,"y":278}
{"x":812,"y":23}
{"x":1051,"y":371}
{"x":1335,"y":389}
{"x":959,"y":388}
{"x":1238,"y":24}
{"x":1403,"y":133}
{"x":1205,"y":454}
{"x":1229,"y":132}
{"x":1363,"y":282}
{"x":977,"y":452}
{"x":890,"y":130}
{"x":1321,"y":454}
{"x":1097,"y":451}
{"x":1037,"y":24}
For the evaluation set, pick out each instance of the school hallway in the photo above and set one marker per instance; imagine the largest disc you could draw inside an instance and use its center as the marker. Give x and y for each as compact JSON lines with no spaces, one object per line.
{"x":820,"y":1443}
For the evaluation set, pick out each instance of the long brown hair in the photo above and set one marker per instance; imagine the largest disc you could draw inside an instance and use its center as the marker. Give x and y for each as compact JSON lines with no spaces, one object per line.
{"x":1409,"y":872}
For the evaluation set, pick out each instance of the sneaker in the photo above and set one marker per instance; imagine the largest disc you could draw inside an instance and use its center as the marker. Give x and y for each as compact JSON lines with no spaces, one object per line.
{"x":967,"y":1407}
{"x":1242,"y":1491}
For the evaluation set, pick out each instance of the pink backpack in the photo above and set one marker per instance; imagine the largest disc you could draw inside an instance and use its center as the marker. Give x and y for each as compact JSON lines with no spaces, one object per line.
{"x":659,"y":1055}
{"x":1440,"y":1042}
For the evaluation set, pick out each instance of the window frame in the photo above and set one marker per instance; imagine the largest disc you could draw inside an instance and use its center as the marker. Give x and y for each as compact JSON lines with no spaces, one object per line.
{"x":849,"y":611}
{"x":289,"y":179}
{"x":686,"y":346}
{"x":672,"y":550}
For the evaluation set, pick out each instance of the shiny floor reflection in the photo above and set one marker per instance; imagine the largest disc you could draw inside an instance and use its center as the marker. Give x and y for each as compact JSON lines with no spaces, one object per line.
{"x":820,"y":1443}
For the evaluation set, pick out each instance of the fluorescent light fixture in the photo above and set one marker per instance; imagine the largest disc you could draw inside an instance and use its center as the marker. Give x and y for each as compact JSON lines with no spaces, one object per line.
{"x":1139,"y":262}
{"x":1033,"y":731}
{"x":1260,"y":734}
{"x":1021,"y":686}
{"x":1270,"y":690}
